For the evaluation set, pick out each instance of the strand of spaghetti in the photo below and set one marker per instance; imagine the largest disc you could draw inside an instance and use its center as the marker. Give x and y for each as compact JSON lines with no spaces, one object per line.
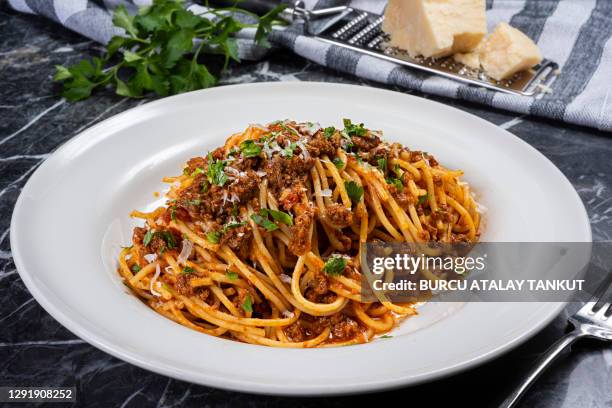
{"x":431,"y":193}
{"x":403,"y":310}
{"x":231,"y":257}
{"x":148,"y":215}
{"x":414,"y":216}
{"x":379,"y":326}
{"x":331,"y":168}
{"x":414,"y":172}
{"x":218,"y":292}
{"x":406,"y":226}
{"x":248,"y":338}
{"x":323,"y":179}
{"x":376,"y":310}
{"x":338,"y":290}
{"x":247,"y":321}
{"x":148,"y":269}
{"x":382,"y":217}
{"x":192,"y":236}
{"x":465,"y":215}
{"x":280,"y":286}
{"x":315,"y":309}
{"x":123,"y":266}
{"x":203,"y":313}
{"x":186,"y":322}
{"x":261,"y":246}
{"x":317,"y":191}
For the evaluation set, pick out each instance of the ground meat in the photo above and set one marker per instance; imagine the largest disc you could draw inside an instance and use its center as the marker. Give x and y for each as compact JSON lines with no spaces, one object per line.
{"x":291,"y":196}
{"x":195,"y":163}
{"x":246,"y":187}
{"x":320,"y":284}
{"x":432,"y":161}
{"x":284,"y":172}
{"x":403,"y":198}
{"x":138,"y":235}
{"x":295,"y":332}
{"x":441,"y":213}
{"x":345,"y":329}
{"x":183,"y":285}
{"x":159,"y":244}
{"x":365,"y":143}
{"x":380,"y":151}
{"x":176,"y":213}
{"x":299,"y":243}
{"x":339,"y":215}
{"x":239,"y":240}
{"x":248,"y":163}
{"x":320,"y":145}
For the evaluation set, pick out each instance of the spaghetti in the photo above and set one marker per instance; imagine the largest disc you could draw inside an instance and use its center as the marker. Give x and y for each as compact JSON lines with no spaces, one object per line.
{"x":260,"y":240}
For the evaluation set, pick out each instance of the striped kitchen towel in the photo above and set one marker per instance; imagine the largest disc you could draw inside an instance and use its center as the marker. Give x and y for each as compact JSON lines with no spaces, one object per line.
{"x":574,"y":33}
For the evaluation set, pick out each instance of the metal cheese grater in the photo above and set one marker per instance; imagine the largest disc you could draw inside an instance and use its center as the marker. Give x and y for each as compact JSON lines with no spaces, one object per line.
{"x":361,"y":31}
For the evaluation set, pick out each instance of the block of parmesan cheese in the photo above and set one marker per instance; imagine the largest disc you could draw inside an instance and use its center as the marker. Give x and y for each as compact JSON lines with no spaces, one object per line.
{"x":469,"y":59}
{"x":507,"y":51}
{"x":435,"y":28}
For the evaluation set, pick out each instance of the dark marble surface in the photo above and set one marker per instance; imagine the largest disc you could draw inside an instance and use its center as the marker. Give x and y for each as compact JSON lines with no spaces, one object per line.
{"x":36,"y":350}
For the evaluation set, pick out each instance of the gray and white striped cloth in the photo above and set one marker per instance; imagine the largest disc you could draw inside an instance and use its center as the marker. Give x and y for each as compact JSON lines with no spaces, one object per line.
{"x":574,"y":33}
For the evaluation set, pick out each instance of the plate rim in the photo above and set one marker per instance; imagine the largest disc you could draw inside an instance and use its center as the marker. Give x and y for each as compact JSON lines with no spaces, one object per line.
{"x":242,"y":385}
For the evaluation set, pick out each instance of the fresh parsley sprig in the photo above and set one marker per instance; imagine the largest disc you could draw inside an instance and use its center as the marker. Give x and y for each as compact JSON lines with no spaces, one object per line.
{"x":156,"y":54}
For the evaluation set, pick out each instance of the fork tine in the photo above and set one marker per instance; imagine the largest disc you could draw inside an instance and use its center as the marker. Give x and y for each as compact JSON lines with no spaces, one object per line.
{"x":599,"y":292}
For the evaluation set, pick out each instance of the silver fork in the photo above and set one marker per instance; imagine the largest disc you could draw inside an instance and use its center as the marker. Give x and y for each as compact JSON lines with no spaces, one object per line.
{"x":593,"y":320}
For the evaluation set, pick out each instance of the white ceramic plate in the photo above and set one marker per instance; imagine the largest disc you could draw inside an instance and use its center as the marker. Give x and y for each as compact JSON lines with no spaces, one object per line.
{"x":73,"y":214}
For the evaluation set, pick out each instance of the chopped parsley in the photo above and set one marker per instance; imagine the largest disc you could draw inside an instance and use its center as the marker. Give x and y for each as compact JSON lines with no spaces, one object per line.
{"x":423,"y":198}
{"x":335,"y":265}
{"x":197,"y":171}
{"x":382,"y":164}
{"x":247,"y":306}
{"x":328,"y":132}
{"x":386,"y":336}
{"x":280,"y":216}
{"x":231,"y":275}
{"x":188,"y":269}
{"x":397,"y":182}
{"x":173,"y":213}
{"x":147,"y":238}
{"x":136,"y":268}
{"x":205,"y":186}
{"x":165,"y":235}
{"x":232,"y":224}
{"x":352,"y":129}
{"x":288,"y":151}
{"x":250,"y":149}
{"x":354,"y":190}
{"x":215,"y":172}
{"x":213,"y":237}
{"x":264,"y":222}
{"x":338,"y":163}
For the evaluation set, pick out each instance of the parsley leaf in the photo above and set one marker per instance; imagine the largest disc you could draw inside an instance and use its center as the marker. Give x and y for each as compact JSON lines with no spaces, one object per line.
{"x":136,"y":268}
{"x":155,"y":53}
{"x":288,"y":151}
{"x":250,"y":149}
{"x":338,"y":163}
{"x":213,"y":237}
{"x":281,"y":216}
{"x":216,"y":174}
{"x":188,"y":269}
{"x":147,"y":238}
{"x":354,"y":129}
{"x":264,"y":222}
{"x":247,"y":306}
{"x":335,"y":265}
{"x":397,"y":182}
{"x":231,"y":275}
{"x":329,"y":132}
{"x":232,"y":224}
{"x":382,"y":164}
{"x":423,"y":199}
{"x":354,"y":190}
